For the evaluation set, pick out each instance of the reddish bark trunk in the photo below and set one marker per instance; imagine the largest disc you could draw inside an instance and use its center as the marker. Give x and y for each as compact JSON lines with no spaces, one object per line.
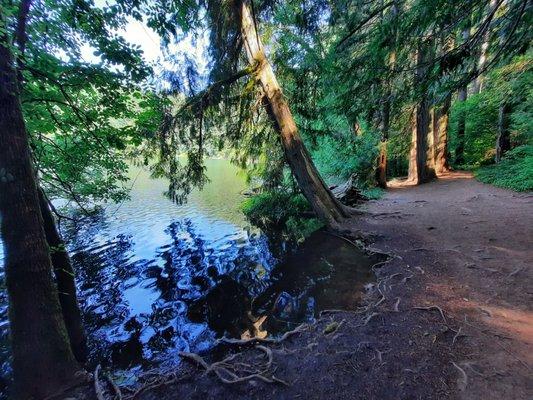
{"x":442,"y":117}
{"x":421,"y":167}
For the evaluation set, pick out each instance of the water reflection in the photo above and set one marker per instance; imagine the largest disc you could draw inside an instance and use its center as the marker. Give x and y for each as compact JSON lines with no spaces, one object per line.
{"x":155,"y":277}
{"x":137,"y":311}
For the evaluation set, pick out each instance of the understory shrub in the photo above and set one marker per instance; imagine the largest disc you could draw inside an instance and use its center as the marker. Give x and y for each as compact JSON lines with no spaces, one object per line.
{"x":514,"y":171}
{"x":283,"y":211}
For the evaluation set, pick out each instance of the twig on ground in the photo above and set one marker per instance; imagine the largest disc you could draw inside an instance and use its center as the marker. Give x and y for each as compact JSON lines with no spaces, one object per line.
{"x":457,"y":335}
{"x":383,"y":298}
{"x":397,"y":304}
{"x":434,"y":308}
{"x":464,"y":382}
{"x":516,"y":271}
{"x":369,"y":317}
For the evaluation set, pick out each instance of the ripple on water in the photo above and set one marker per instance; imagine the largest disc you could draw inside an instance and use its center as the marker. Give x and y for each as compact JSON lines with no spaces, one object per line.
{"x":155,"y":277}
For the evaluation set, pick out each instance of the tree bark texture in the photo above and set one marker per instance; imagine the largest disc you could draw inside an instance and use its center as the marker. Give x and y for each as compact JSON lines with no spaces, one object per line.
{"x":478,"y":83}
{"x":42,"y":358}
{"x":440,"y":129}
{"x":462,"y":95}
{"x":421,"y":167}
{"x":461,"y":128}
{"x":325,"y":205}
{"x":381,"y":170}
{"x":503,"y":140}
{"x":65,"y":281}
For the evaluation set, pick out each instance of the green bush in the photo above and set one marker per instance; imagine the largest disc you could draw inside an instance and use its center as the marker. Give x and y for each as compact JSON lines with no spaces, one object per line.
{"x":514,"y":171}
{"x":511,"y":83}
{"x":274,"y":208}
{"x":337,"y":158}
{"x":282,"y":211}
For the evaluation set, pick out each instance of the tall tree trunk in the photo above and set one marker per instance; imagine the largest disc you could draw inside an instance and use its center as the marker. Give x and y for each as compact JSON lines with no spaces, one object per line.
{"x":63,"y":271}
{"x":421,"y":167}
{"x":66,"y":285}
{"x":461,"y":128}
{"x":478,"y":83}
{"x":442,"y":116}
{"x":462,"y":95}
{"x":326,"y":206}
{"x":503,"y":141}
{"x":381,"y":170}
{"x":43,"y":361}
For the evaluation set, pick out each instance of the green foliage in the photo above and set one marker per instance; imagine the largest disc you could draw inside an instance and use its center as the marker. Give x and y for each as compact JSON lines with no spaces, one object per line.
{"x":83,"y":117}
{"x":511,"y":83}
{"x":281,"y":211}
{"x":514,"y":171}
{"x":274,"y":208}
{"x":338,"y":157}
{"x":373,"y":193}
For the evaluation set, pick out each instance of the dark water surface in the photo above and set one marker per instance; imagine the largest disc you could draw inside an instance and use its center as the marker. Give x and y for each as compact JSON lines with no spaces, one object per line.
{"x":155,"y":277}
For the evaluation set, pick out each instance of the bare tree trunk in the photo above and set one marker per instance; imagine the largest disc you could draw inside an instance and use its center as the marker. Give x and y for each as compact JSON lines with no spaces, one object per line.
{"x":66,"y":284}
{"x":442,"y":116}
{"x":462,"y":95}
{"x":63,"y":271}
{"x":381,"y":170}
{"x":421,"y":167}
{"x":42,"y":358}
{"x":503,"y":141}
{"x":309,"y":181}
{"x":461,"y":128}
{"x":478,"y":83}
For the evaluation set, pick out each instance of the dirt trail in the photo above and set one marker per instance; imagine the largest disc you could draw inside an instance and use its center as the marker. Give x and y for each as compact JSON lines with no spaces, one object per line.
{"x":475,"y":245}
{"x":450,"y":316}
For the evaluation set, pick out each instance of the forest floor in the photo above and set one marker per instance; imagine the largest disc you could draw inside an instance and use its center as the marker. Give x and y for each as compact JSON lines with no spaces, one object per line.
{"x":450,"y":315}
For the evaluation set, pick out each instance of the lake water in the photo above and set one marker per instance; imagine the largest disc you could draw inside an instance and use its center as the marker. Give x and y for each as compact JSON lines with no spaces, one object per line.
{"x":155,"y":277}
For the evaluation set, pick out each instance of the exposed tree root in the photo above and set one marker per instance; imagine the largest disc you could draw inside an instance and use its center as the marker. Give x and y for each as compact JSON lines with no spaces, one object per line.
{"x":343,"y":238}
{"x":157,"y":379}
{"x":254,"y":340}
{"x":397,"y":305}
{"x":464,"y":381}
{"x":334,"y":311}
{"x":97,"y":388}
{"x":222,"y":368}
{"x":369,"y":317}
{"x":434,"y":308}
{"x":516,"y":271}
{"x":116,"y":389}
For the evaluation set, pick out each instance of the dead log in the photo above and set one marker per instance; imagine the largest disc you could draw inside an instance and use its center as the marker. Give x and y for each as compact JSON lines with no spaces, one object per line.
{"x":348,"y":193}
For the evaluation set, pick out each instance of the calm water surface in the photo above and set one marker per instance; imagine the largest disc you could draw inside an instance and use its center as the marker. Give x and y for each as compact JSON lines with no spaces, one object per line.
{"x":155,"y":277}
